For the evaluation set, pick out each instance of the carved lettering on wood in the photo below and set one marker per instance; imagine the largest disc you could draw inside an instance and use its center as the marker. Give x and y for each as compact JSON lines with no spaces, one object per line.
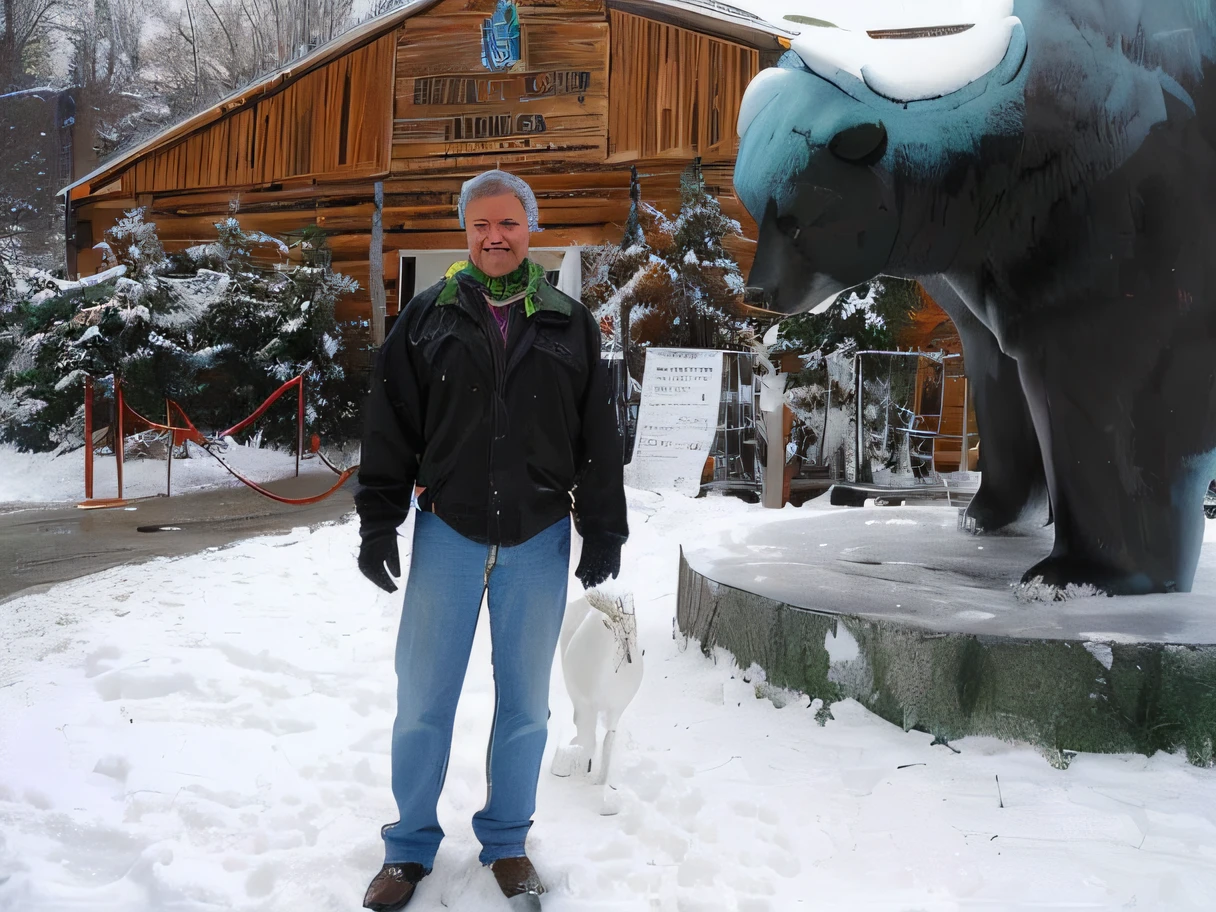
{"x":465,"y":90}
{"x":465,"y":127}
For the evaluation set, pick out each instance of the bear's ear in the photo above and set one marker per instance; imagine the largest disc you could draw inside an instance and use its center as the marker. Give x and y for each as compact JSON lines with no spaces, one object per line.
{"x":863,"y":144}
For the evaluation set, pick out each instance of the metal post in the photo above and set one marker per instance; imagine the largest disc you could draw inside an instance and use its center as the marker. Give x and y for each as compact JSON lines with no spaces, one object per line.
{"x":827,"y":413}
{"x":88,"y":437}
{"x":857,"y":457}
{"x":886,"y":404}
{"x":300,"y":426}
{"x":941,"y":407}
{"x":118,"y":434}
{"x":964,"y":462}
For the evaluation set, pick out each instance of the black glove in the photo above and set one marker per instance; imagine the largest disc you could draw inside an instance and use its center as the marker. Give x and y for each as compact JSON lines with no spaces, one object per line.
{"x":601,"y":559}
{"x":375,"y":554}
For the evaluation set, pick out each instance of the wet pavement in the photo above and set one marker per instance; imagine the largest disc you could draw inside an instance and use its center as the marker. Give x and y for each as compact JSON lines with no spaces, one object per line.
{"x":42,"y":544}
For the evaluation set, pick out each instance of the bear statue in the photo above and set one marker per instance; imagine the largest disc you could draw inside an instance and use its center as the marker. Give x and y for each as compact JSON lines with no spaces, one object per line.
{"x":1047,"y":168}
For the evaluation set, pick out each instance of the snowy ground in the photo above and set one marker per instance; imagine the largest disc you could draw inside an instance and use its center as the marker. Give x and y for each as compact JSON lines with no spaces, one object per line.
{"x":43,"y":478}
{"x":212,"y":733}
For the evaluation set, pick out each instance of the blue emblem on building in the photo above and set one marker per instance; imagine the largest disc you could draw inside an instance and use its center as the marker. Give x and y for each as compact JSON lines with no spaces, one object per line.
{"x":500,"y":38}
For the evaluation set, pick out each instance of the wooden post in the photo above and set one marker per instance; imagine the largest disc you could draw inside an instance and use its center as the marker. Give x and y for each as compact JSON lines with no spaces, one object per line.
{"x":169,"y":424}
{"x":774,"y":463}
{"x":88,"y":437}
{"x":300,"y":423}
{"x":118,"y":435}
{"x":375,"y":278}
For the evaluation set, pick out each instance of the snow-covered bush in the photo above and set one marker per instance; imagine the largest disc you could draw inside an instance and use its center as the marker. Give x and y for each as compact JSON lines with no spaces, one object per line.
{"x":217,"y":340}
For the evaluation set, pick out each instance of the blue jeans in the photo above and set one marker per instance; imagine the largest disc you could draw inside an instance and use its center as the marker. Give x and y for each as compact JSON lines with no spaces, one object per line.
{"x":448,"y":576}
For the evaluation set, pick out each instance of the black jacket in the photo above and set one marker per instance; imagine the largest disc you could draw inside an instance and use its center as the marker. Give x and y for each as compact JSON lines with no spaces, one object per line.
{"x":500,"y":437}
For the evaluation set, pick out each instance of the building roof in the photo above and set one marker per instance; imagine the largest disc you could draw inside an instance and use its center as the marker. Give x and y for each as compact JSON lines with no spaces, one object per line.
{"x":39,"y":90}
{"x":709,"y":16}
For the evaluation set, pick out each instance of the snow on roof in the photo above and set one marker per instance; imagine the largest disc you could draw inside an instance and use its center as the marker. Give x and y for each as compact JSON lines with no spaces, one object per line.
{"x":737,"y":23}
{"x":35,"y":91}
{"x":723,"y":8}
{"x":733,"y":22}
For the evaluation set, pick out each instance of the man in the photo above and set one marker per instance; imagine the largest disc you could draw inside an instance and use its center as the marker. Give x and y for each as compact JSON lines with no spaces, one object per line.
{"x":490,"y":406}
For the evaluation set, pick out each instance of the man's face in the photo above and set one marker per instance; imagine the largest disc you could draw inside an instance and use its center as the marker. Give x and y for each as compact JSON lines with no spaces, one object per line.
{"x":497,"y":230}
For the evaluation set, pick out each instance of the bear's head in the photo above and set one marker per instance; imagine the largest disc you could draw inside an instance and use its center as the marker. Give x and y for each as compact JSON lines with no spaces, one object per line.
{"x":934,"y":145}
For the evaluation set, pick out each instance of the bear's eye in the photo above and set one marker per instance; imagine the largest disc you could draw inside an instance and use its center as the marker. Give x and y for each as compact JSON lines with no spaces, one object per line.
{"x":788,"y":225}
{"x":862,"y":144}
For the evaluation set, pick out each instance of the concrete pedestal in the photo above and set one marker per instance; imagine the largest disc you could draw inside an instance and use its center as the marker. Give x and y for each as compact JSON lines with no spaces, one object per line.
{"x":924,"y":624}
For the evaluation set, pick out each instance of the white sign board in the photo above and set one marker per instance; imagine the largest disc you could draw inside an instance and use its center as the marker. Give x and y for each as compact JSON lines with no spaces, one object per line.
{"x":677,"y":419}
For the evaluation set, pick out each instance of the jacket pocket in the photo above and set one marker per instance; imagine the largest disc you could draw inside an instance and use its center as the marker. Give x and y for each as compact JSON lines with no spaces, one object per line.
{"x":429,"y":498}
{"x":555,"y":348}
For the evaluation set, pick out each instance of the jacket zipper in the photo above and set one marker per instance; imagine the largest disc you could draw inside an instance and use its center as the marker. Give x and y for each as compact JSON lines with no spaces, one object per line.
{"x":504,"y":358}
{"x":497,"y":357}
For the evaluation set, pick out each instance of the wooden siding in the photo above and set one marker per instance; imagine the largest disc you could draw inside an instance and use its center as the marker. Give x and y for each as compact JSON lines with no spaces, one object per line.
{"x":584,"y":206}
{"x":451,"y":112}
{"x":331,"y":122}
{"x":692,"y":85}
{"x":274,"y":161}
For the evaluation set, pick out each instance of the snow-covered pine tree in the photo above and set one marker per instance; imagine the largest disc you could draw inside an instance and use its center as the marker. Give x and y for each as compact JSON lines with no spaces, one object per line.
{"x":214,"y":328}
{"x":710,"y":285}
{"x":134,"y":244}
{"x":276,"y":319}
{"x":624,"y":282}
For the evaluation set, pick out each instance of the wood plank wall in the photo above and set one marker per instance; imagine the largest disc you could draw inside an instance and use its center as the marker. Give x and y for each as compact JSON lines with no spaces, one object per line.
{"x":450,"y":111}
{"x":333,"y":121}
{"x":692,"y":85}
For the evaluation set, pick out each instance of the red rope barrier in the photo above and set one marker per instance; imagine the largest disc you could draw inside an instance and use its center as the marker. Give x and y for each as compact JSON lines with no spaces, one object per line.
{"x":261,"y":410}
{"x":293,"y":501}
{"x":180,"y":434}
{"x":192,"y":433}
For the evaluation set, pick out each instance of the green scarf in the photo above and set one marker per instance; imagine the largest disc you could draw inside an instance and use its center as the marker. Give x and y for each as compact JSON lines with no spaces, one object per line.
{"x":526,"y":277}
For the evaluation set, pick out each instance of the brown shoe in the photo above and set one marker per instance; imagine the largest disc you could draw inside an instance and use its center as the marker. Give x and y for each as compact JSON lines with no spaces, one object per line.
{"x":393,"y":887}
{"x":517,"y":877}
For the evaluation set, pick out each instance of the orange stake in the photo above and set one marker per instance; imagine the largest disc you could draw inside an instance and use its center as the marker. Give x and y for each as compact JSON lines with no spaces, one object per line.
{"x":118,"y":435}
{"x":300,"y":426}
{"x":88,"y":437}
{"x":169,"y":424}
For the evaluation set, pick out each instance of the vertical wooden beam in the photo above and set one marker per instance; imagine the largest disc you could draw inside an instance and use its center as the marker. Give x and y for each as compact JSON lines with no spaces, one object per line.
{"x":376,"y":267}
{"x":772,"y":491}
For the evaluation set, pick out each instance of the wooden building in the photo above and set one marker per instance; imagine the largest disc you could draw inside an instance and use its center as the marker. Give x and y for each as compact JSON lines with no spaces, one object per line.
{"x":951,"y":413}
{"x":371,"y":136}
